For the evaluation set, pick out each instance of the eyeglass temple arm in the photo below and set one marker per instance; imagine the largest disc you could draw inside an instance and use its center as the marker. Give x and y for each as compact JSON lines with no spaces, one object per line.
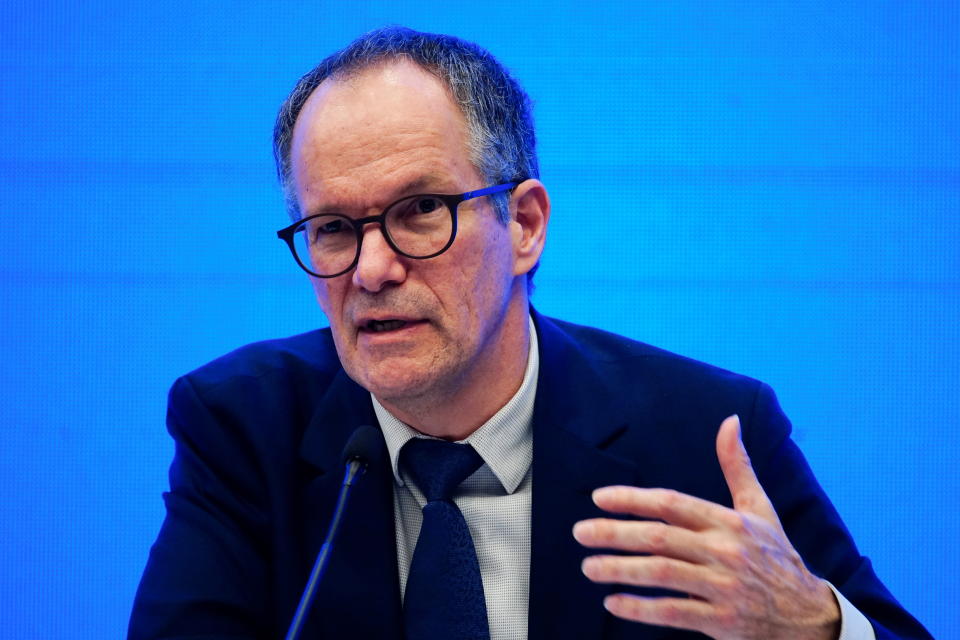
{"x":486,"y":191}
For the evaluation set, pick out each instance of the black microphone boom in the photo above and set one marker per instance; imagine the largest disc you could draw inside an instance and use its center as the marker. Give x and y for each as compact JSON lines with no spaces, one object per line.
{"x":359,"y":450}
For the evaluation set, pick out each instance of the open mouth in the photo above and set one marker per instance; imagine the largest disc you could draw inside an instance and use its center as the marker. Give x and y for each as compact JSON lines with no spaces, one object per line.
{"x":379,"y":326}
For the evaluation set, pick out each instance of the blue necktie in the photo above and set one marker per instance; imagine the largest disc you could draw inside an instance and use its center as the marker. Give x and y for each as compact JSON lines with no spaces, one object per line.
{"x":444,"y":595}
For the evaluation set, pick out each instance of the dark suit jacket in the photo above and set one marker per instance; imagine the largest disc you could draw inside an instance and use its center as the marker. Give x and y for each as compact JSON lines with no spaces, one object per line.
{"x":259,"y":435}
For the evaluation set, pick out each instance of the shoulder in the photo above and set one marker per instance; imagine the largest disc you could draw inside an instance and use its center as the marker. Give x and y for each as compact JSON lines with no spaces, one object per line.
{"x":308,"y":355}
{"x":271,"y":378}
{"x":251,"y":404}
{"x":667,"y":406}
{"x":623,"y":360}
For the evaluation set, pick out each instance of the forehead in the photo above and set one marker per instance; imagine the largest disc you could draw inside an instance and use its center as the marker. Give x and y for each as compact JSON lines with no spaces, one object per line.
{"x":374,"y":130}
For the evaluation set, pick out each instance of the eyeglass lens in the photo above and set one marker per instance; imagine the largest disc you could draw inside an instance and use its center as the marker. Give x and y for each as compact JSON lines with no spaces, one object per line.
{"x":418,"y":226}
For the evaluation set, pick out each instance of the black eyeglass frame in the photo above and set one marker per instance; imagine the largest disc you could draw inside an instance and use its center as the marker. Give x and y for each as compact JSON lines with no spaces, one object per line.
{"x":451,"y":201}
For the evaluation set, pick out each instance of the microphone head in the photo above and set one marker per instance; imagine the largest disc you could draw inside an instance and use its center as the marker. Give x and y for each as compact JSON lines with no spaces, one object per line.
{"x":362,"y":445}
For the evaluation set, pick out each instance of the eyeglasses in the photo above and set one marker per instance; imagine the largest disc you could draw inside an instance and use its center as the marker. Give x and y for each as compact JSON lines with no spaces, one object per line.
{"x":421,"y":226}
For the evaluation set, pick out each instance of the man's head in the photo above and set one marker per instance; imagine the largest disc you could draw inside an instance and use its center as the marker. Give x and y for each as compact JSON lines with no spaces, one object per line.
{"x":501,"y":137}
{"x":373,"y":124}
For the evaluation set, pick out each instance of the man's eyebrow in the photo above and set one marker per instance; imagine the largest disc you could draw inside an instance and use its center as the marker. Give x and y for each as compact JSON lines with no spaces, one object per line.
{"x":421,"y":184}
{"x":428,"y":183}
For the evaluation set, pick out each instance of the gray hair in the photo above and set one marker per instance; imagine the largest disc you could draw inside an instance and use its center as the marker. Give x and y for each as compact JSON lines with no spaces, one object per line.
{"x":501,"y":140}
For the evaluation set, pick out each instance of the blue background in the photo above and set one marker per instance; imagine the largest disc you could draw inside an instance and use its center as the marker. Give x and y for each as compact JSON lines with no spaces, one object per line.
{"x":773,"y":187}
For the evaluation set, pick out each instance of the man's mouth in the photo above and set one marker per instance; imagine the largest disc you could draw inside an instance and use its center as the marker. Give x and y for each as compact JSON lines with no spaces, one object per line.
{"x":379,"y":326}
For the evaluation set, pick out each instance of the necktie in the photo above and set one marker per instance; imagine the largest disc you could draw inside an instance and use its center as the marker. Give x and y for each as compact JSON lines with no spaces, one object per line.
{"x":444,"y":595}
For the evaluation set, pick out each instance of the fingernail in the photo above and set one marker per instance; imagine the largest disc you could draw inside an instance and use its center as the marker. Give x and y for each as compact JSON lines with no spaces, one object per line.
{"x":599,"y":494}
{"x":736,"y":419}
{"x":587,"y":565}
{"x":582,"y":530}
{"x":609,"y":603}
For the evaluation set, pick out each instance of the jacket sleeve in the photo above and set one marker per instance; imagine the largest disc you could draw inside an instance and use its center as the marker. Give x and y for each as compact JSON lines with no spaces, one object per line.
{"x":813,"y":525}
{"x":206,"y":575}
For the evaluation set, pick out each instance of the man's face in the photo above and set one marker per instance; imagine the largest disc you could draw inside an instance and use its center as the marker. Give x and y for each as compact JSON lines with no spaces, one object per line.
{"x":359,"y":144}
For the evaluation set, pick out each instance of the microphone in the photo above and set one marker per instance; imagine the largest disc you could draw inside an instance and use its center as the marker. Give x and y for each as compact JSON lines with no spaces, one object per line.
{"x":360,"y":448}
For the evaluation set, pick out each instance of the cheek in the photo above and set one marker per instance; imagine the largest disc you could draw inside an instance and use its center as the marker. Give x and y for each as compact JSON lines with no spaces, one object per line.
{"x":486,"y":274}
{"x":326,"y":295}
{"x":495,"y":260}
{"x":320,"y":291}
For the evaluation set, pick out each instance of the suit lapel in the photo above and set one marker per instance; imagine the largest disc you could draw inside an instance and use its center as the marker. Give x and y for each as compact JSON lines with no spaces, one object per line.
{"x":568,"y":426}
{"x":576,"y":424}
{"x":360,"y":593}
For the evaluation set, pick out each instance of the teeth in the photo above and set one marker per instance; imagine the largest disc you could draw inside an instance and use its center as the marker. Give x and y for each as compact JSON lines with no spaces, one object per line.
{"x":385,"y":325}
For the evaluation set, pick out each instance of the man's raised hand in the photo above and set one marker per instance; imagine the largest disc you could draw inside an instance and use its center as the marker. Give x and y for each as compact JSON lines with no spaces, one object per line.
{"x":742,"y":576}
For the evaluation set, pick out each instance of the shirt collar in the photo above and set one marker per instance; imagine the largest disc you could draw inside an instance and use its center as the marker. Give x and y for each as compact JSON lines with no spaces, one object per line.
{"x":505,"y":441}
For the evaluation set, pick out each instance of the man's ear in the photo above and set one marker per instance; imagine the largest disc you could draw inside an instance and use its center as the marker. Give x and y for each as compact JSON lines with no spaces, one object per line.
{"x":529,"y":213}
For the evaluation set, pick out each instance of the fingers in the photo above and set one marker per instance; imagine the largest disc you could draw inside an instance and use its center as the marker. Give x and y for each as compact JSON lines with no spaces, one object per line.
{"x":668,"y":612}
{"x":748,"y":496}
{"x":652,"y":571}
{"x":655,"y":538}
{"x":670,"y":506}
{"x":736,"y":564}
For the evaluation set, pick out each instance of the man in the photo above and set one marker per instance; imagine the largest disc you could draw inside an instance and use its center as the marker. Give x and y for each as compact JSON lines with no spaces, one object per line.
{"x":409,"y":169}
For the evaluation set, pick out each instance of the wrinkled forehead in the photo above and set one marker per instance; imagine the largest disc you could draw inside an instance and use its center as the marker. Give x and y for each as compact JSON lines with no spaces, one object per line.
{"x":376,"y":122}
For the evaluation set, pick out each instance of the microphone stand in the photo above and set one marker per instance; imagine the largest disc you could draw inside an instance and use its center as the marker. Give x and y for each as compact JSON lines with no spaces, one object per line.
{"x":354,"y":469}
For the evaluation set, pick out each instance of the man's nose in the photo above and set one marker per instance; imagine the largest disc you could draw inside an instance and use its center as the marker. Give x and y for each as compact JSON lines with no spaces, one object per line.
{"x":378,"y":264}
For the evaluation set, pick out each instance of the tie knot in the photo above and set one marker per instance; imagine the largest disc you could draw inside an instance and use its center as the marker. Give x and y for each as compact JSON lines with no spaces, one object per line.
{"x":438,"y":467}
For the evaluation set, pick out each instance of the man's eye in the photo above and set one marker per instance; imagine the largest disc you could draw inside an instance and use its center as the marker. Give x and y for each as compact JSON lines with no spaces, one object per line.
{"x":427,"y":205}
{"x":331,"y":227}
{"x":419,"y":207}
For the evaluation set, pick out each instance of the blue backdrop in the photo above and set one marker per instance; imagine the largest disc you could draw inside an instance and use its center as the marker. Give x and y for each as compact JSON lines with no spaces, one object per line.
{"x":779,"y":185}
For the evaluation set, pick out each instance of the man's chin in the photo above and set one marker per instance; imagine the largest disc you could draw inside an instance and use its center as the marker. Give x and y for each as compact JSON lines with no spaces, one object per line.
{"x":396,"y":382}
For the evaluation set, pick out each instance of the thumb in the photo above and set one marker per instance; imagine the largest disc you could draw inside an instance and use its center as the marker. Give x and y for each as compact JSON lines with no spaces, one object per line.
{"x":744,"y":487}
